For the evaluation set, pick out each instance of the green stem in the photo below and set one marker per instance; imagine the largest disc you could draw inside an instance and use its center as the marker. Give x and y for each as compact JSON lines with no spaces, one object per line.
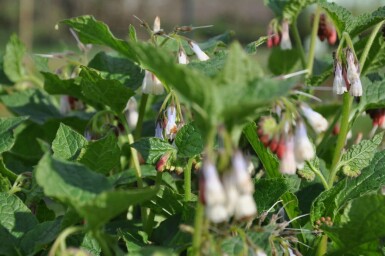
{"x":187,"y":180}
{"x":319,"y":174}
{"x":198,"y":228}
{"x":310,"y":60}
{"x":142,"y":112}
{"x":298,"y":42}
{"x":102,"y":242}
{"x":150,"y":219}
{"x":341,"y":140}
{"x":322,"y":246}
{"x":368,"y":45}
{"x":7,"y":173}
{"x":60,"y":240}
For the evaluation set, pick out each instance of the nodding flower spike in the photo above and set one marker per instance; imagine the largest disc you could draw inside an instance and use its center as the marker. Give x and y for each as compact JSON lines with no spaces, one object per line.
{"x":285,"y":37}
{"x":288,"y":164}
{"x":182,"y":57}
{"x":304,"y":150}
{"x":315,"y":119}
{"x":201,"y":55}
{"x":151,"y":84}
{"x":214,"y":193}
{"x":339,"y":85}
{"x":171,"y":127}
{"x":353,"y":75}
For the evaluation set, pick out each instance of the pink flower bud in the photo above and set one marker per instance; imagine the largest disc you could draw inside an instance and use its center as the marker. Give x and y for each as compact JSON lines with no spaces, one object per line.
{"x":162,"y":162}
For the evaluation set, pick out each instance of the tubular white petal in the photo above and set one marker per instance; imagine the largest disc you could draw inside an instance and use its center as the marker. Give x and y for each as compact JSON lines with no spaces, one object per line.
{"x":356,"y":88}
{"x":182,"y":57}
{"x":214,"y":193}
{"x":285,"y":38}
{"x":202,"y":56}
{"x":65,"y":106}
{"x":315,"y":119}
{"x":288,"y":164}
{"x":303,"y":149}
{"x":241,"y":175}
{"x":156,"y":28}
{"x":339,"y":85}
{"x":246,"y":207}
{"x":216,"y":213}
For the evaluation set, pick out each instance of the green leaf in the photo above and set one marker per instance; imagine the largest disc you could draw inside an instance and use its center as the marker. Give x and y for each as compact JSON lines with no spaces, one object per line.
{"x":269,"y":160}
{"x":88,"y":192}
{"x":67,"y":143}
{"x":118,"y":68}
{"x":373,"y":96}
{"x":282,"y":61}
{"x":268,"y":192}
{"x":329,"y":203}
{"x":167,"y":202}
{"x":212,"y":66}
{"x":56,"y":86}
{"x":376,"y":56}
{"x":360,"y":155}
{"x":33,"y":103}
{"x":108,"y":92}
{"x":132,"y":33}
{"x":13,"y":59}
{"x":365,"y":21}
{"x":86,"y":242}
{"x":293,"y":8}
{"x":6,"y":131}
{"x":15,"y":221}
{"x":41,"y":235}
{"x":91,"y":31}
{"x":102,"y":155}
{"x":152,"y":149}
{"x":319,"y":79}
{"x":362,"y":221}
{"x":188,"y":141}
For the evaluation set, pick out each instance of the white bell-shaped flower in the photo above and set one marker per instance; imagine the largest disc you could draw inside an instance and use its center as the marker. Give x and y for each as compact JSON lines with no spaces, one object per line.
{"x":288,"y":164}
{"x":151,"y":84}
{"x":285,"y":37}
{"x":315,"y":119}
{"x":246,"y":207}
{"x":353,"y":75}
{"x":216,"y":213}
{"x":213,"y":190}
{"x":303,"y":149}
{"x":339,"y":85}
{"x":131,"y":113}
{"x":241,"y":174}
{"x":201,"y":55}
{"x":171,"y":127}
{"x":182,"y":56}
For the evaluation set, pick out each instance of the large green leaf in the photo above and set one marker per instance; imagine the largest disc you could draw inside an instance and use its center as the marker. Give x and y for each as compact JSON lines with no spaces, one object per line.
{"x":365,"y":21}
{"x":88,"y":192}
{"x":288,"y":9}
{"x":67,"y":143}
{"x":360,"y":155}
{"x":102,"y":155}
{"x":15,"y":221}
{"x":282,"y":61}
{"x":152,"y":149}
{"x":91,"y":31}
{"x":6,"y":131}
{"x":373,"y":96}
{"x":376,"y":55}
{"x":33,"y":103}
{"x":104,"y":91}
{"x":13,"y":59}
{"x":362,"y":221}
{"x":188,"y":141}
{"x":330,"y":202}
{"x":54,"y":85}
{"x":118,"y":68}
{"x":268,"y":192}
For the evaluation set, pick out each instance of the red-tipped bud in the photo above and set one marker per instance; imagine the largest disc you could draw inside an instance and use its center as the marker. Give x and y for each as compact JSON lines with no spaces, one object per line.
{"x":336,"y":129}
{"x":274,"y":144}
{"x":162,"y":162}
{"x":281,"y":148}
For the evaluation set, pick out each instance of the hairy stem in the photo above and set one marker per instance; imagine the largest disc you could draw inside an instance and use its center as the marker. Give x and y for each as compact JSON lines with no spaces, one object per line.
{"x":346,"y":105}
{"x":298,"y":42}
{"x":198,"y":228}
{"x":310,"y":60}
{"x":319,"y":174}
{"x":7,"y":173}
{"x":142,"y":112}
{"x":187,"y":180}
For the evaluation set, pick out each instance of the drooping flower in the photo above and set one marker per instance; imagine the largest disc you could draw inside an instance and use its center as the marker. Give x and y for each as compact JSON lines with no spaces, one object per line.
{"x":182,"y":57}
{"x":315,"y":119}
{"x":201,"y":55}
{"x":303,"y":149}
{"x":326,"y":30}
{"x":151,"y":84}
{"x":339,"y":85}
{"x":156,"y":28}
{"x":171,"y":127}
{"x":131,"y":113}
{"x":285,"y":37}
{"x":273,"y":37}
{"x":68,"y":103}
{"x":245,"y":207}
{"x":159,"y":130}
{"x":241,"y":175}
{"x":288,"y":164}
{"x":353,"y":75}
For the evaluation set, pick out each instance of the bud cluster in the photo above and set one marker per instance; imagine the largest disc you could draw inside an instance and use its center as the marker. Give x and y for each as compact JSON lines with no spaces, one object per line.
{"x":326,"y":30}
{"x":347,"y":77}
{"x":291,"y":142}
{"x":378,"y":117}
{"x":279,"y":36}
{"x":230,"y":195}
{"x":322,"y":221}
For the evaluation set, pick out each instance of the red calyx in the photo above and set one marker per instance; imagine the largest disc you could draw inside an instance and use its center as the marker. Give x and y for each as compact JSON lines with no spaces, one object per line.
{"x":281,"y":148}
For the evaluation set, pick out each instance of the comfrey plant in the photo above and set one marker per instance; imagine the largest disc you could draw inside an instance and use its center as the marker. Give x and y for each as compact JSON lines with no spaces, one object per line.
{"x":141,"y":152}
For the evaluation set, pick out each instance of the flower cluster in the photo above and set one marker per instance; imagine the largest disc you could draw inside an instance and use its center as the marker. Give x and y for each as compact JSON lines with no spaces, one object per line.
{"x":231,"y":196}
{"x":347,"y":77}
{"x":326,"y":30}
{"x":281,"y":38}
{"x":291,"y":144}
{"x":166,"y":126}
